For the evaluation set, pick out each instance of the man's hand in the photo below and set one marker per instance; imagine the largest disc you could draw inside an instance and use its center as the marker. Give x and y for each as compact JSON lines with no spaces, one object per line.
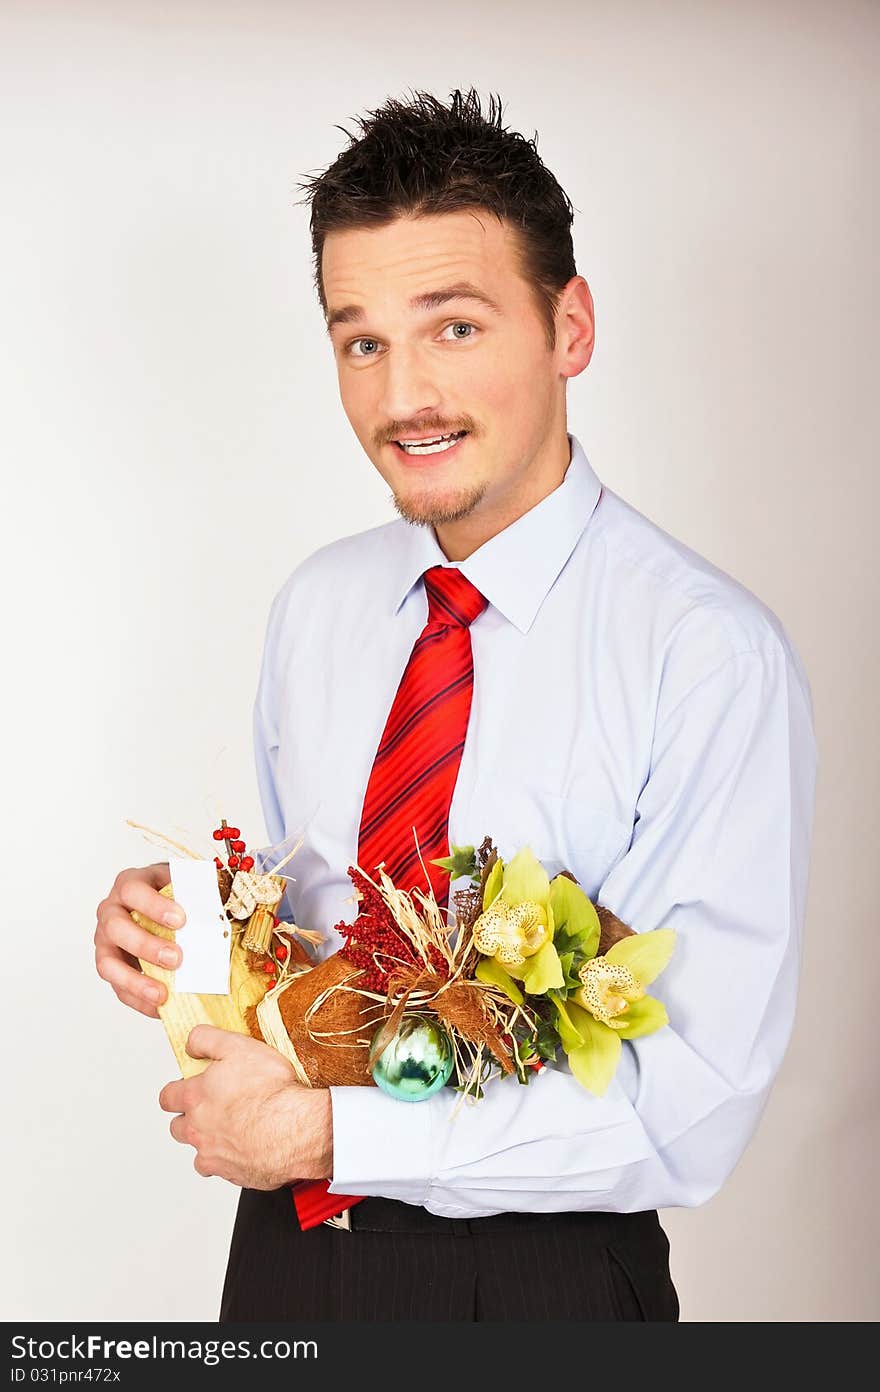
{"x":248,"y":1118}
{"x":119,"y":942}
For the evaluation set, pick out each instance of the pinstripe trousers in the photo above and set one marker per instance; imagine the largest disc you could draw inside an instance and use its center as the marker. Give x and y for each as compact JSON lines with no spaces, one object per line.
{"x":400,"y":1262}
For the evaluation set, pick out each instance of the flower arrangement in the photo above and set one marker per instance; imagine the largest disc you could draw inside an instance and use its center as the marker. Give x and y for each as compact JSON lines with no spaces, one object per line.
{"x":526,"y":972}
{"x":528,"y":968}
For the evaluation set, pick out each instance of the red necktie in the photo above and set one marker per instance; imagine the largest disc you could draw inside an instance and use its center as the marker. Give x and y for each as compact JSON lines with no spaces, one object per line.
{"x":413,"y":777}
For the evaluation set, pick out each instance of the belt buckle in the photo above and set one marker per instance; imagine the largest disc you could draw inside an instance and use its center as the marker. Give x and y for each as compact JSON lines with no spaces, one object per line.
{"x":342,"y":1220}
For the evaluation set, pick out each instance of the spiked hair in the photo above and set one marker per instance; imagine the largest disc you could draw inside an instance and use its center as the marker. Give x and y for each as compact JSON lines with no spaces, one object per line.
{"x":421,"y":157}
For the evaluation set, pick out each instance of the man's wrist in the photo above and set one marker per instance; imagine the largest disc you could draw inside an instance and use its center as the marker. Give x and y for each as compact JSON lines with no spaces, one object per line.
{"x":309,"y":1129}
{"x":323,"y":1133}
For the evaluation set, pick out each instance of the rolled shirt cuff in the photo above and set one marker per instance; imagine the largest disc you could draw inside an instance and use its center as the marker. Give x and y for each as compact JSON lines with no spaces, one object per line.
{"x":382,"y":1148}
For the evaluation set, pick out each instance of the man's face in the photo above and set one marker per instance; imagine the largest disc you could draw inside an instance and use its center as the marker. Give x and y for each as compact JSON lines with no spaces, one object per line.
{"x":412,"y":368}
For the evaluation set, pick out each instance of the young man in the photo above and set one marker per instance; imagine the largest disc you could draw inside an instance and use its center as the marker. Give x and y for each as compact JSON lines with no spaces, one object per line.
{"x":597,"y":691}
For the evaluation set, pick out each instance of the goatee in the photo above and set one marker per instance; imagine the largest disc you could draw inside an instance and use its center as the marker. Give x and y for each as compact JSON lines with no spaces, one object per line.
{"x":437,"y":511}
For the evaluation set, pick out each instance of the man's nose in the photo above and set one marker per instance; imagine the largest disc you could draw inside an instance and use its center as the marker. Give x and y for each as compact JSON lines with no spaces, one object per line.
{"x":408,"y":389}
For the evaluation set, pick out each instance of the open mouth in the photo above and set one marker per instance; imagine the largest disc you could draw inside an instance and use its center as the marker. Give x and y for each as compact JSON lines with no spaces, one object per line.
{"x":437,"y":444}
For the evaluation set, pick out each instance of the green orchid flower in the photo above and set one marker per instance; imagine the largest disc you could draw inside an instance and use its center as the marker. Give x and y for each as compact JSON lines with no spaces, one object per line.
{"x":612,"y":1004}
{"x":515,"y":930}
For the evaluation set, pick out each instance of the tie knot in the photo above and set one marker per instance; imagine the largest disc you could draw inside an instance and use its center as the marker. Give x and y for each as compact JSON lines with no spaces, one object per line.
{"x":452,"y":599}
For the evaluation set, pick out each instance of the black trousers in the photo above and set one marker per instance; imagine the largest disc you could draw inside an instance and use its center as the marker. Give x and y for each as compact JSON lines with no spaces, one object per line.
{"x":400,"y":1262}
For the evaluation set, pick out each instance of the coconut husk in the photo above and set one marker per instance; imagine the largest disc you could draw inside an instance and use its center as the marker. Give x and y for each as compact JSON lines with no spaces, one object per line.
{"x":461,"y":1008}
{"x":613,"y":929}
{"x":316,"y":1004}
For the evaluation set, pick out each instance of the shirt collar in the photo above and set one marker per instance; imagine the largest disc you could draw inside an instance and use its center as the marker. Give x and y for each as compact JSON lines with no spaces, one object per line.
{"x":516,"y":569}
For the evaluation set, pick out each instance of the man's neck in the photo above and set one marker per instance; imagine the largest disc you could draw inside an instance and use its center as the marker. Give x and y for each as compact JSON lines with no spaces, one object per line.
{"x":458,"y":540}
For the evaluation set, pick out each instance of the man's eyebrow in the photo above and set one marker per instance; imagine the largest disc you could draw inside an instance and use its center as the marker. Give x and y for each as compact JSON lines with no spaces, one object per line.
{"x":429,"y":299}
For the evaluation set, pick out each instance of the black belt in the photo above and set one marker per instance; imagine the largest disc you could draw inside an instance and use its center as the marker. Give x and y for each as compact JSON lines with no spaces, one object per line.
{"x":390,"y":1215}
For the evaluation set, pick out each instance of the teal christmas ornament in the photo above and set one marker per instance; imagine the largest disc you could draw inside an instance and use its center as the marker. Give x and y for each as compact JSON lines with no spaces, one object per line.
{"x":417,"y":1062}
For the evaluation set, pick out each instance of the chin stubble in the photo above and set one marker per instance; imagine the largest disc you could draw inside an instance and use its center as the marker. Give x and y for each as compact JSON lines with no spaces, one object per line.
{"x":435,"y":512}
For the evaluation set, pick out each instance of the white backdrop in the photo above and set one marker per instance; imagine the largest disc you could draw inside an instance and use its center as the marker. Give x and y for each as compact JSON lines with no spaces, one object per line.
{"x":173,"y":445}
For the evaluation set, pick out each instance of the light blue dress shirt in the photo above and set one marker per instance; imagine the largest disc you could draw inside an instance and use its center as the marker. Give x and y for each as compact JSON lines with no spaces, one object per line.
{"x":640,"y":719}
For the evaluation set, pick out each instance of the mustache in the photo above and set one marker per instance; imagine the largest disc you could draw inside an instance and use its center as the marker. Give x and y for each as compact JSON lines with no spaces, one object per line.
{"x":429,"y":427}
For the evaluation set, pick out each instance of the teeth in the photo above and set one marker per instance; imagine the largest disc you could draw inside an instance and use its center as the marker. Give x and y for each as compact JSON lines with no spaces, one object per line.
{"x":436,"y":446}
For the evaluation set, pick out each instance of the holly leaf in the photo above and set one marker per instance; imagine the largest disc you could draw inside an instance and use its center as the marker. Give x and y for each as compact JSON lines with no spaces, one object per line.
{"x":477,"y":1092}
{"x":564,"y":941}
{"x":462,"y":861}
{"x":546,"y":1041}
{"x":570,"y":963}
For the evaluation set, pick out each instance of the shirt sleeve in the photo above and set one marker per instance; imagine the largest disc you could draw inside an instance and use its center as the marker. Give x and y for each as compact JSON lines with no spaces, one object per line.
{"x":266,"y":741}
{"x":720,"y":852}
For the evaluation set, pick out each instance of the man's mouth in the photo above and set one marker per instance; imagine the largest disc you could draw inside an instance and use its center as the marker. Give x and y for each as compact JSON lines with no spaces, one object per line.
{"x":435,"y":444}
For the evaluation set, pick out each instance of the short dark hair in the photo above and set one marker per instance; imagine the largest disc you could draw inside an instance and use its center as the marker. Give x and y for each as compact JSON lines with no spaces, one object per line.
{"x":422,"y":157}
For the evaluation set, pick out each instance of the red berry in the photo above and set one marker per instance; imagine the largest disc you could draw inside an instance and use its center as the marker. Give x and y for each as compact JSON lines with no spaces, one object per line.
{"x":238,"y":845}
{"x":276,"y":920}
{"x":218,"y":862}
{"x":233,"y":862}
{"x":281,"y":953}
{"x":219,"y":834}
{"x":232,"y":832}
{"x":247,"y":862}
{"x":268,"y":967}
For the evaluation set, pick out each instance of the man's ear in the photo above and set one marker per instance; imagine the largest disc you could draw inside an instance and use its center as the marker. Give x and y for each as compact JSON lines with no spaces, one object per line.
{"x":575,"y":327}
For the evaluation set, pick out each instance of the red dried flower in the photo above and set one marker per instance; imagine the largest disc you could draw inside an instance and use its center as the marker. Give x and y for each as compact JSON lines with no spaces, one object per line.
{"x":374,"y":942}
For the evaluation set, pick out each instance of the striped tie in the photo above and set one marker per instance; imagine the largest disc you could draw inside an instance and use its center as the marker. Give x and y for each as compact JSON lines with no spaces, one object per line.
{"x":414,"y":772}
{"x":413,"y":776}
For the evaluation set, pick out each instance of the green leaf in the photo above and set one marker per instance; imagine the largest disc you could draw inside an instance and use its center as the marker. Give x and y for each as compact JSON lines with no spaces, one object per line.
{"x":476,"y":1093}
{"x":576,"y":914}
{"x":463,"y":861}
{"x":646,"y":954}
{"x":543,"y":971}
{"x":525,"y":878}
{"x":595,"y":1061}
{"x":547,"y":1041}
{"x":571,"y":963}
{"x":576,"y":965}
{"x":564,"y":941}
{"x":494,"y":880}
{"x":491,"y":973}
{"x":643,"y":1017}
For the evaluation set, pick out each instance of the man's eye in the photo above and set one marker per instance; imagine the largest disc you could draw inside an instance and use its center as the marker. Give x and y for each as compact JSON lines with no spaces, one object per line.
{"x":370,"y":344}
{"x":461,"y":324}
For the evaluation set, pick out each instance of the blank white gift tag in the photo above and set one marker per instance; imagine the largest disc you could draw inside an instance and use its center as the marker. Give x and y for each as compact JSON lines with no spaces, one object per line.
{"x":204,"y":939}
